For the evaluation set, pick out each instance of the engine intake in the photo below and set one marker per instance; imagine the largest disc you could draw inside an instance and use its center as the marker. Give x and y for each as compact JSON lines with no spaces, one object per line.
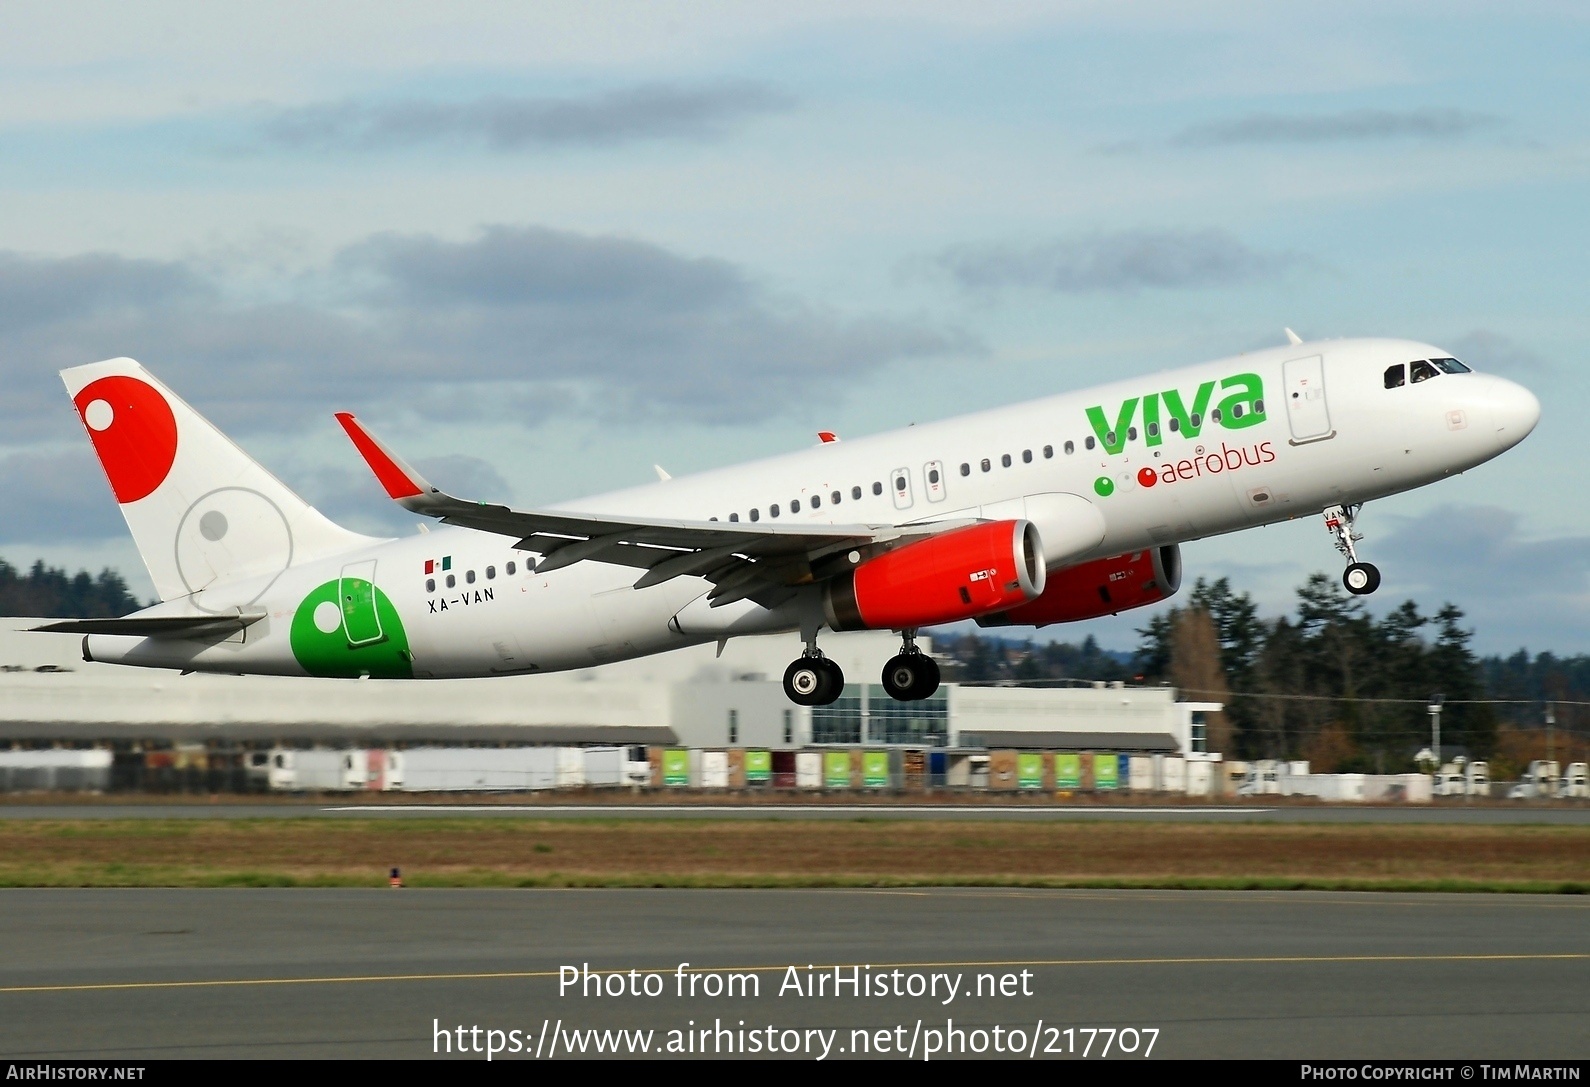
{"x":957,"y":575}
{"x":1100,"y":587}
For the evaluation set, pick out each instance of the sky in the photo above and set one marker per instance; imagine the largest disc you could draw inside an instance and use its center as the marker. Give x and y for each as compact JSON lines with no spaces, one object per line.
{"x":541,"y":248}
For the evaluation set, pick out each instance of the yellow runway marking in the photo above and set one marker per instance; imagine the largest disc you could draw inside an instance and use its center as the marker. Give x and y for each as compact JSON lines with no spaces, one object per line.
{"x":1255,"y":960}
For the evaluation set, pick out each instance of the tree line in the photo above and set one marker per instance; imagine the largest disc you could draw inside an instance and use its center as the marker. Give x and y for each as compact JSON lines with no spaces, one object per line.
{"x":51,"y":592}
{"x":1328,"y":682}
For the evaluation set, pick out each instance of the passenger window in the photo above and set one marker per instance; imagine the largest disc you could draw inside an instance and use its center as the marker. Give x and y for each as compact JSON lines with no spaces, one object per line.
{"x":1175,"y":423}
{"x":986,"y":465}
{"x":755,"y":515}
{"x":1109,"y":437}
{"x":469,"y":577}
{"x":1236,"y":411}
{"x":795,"y":505}
{"x":1423,"y":371}
{"x":1026,"y":456}
{"x":899,"y":484}
{"x":512,"y":568}
{"x":1153,"y":430}
{"x":1048,"y":452}
{"x":1131,"y":434}
{"x":734,"y":516}
{"x":1258,"y":407}
{"x":1005,"y":460}
{"x":835,"y":497}
{"x":817,"y":501}
{"x":966,"y":469}
{"x":1396,"y":376}
{"x":1071,"y":447}
{"x":491,"y":572}
{"x":772,"y":511}
{"x":855,"y":493}
{"x":933,"y":477}
{"x":1214,"y":415}
{"x":877,"y":488}
{"x":1452,"y":366}
{"x":451,"y":581}
{"x":1089,"y":442}
{"x":430,"y":585}
{"x":1196,"y":421}
{"x":712,"y":518}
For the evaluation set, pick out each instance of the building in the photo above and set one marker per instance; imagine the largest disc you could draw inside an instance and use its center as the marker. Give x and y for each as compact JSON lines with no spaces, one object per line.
{"x":695,"y":697}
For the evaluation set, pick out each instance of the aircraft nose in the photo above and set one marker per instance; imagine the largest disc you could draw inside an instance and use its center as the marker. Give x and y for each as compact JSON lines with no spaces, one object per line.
{"x":1514,"y":412}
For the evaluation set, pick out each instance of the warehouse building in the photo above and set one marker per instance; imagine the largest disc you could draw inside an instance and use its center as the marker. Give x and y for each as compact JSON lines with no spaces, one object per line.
{"x":692,"y":698}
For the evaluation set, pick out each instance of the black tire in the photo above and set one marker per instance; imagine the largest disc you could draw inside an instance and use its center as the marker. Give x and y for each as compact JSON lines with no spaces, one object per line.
{"x":1361,"y":578}
{"x":805,"y":680}
{"x":929,"y":683}
{"x":833,"y":683}
{"x":902,"y":675}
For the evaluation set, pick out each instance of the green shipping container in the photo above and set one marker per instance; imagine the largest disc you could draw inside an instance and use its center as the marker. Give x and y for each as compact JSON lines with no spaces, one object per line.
{"x":1068,"y":771}
{"x":875,"y":769}
{"x":676,"y":767}
{"x":758,"y":766}
{"x":836,"y":769}
{"x":1029,"y":771}
{"x":1106,"y":771}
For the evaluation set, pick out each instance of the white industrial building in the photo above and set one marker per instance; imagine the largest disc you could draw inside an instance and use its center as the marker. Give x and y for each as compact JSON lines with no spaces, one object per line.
{"x":689,"y":698}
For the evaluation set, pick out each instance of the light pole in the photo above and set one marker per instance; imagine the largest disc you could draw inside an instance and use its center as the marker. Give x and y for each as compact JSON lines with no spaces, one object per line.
{"x":1435,"y":730}
{"x":1551,"y":721}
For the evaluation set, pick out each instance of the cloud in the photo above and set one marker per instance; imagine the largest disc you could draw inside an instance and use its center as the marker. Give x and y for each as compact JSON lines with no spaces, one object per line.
{"x":1485,"y":350}
{"x":1515,"y":590}
{"x":49,"y":497}
{"x":1122,"y":261}
{"x":520,"y":322}
{"x":650,"y":112}
{"x":1430,"y":123}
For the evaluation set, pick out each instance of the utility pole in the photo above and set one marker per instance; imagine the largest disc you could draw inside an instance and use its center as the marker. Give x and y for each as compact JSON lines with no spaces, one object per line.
{"x":1551,"y":722}
{"x":1435,"y":730}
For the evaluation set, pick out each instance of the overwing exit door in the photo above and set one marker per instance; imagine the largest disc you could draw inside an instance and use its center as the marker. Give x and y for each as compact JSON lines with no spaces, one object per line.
{"x":356,"y":593}
{"x":1306,"y":410}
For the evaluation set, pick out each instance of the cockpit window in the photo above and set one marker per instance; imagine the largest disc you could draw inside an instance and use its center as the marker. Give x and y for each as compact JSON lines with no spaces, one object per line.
{"x":1396,"y":376}
{"x":1452,"y":366}
{"x":1423,"y":371}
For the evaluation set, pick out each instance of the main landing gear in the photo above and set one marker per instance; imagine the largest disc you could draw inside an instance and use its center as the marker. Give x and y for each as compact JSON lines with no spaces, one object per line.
{"x":813,"y":679}
{"x":1361,"y":578}
{"x":912,"y":675}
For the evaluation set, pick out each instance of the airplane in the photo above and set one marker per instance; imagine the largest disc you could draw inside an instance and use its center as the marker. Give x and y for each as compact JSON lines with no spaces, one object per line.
{"x":1055,"y":510}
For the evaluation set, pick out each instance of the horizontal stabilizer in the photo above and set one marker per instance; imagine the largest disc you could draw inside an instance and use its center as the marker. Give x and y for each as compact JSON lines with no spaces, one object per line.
{"x":159,"y":626}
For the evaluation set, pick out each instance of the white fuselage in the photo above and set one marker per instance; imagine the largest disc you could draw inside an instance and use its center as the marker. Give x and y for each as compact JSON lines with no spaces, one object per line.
{"x":1327,"y":433}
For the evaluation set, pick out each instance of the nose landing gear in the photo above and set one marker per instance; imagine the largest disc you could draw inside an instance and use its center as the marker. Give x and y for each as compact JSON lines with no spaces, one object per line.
{"x":1360,"y":578}
{"x":911,"y":675}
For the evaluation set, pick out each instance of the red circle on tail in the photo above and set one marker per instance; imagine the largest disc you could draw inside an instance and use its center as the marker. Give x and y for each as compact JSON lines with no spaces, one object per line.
{"x":133,"y":431}
{"x":1147,"y":476}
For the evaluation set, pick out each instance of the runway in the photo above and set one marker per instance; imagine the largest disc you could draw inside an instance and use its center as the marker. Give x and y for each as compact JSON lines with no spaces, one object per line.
{"x":1565,"y":815}
{"x":142,"y":974}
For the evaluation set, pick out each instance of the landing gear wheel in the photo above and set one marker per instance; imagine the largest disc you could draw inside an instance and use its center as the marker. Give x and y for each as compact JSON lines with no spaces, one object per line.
{"x":813,"y":681}
{"x":805,"y":680}
{"x":1361,"y":578}
{"x":833,"y":683}
{"x":910,"y":677}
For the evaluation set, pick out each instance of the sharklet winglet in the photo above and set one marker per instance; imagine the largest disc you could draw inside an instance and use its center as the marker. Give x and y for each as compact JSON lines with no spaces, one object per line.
{"x":399,"y":480}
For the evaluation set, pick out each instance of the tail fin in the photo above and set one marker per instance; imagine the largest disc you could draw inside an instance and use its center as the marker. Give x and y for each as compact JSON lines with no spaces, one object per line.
{"x":202,"y":512}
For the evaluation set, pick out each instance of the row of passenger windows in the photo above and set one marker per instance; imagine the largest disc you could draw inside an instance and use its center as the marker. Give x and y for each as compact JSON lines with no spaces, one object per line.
{"x":815,"y":501}
{"x":451,"y":581}
{"x":1422,"y":370}
{"x":1195,"y":421}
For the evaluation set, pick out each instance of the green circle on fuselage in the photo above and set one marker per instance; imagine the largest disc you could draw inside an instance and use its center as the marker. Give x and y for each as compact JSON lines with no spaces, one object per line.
{"x":383,"y":649}
{"x":1104,"y":486}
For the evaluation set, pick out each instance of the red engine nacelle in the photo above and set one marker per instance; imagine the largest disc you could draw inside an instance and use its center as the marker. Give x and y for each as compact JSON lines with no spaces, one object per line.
{"x":957,"y":575}
{"x":1100,"y":587}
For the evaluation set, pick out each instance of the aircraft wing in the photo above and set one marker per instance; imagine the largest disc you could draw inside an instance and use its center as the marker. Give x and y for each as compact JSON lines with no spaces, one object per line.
{"x":761,"y":561}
